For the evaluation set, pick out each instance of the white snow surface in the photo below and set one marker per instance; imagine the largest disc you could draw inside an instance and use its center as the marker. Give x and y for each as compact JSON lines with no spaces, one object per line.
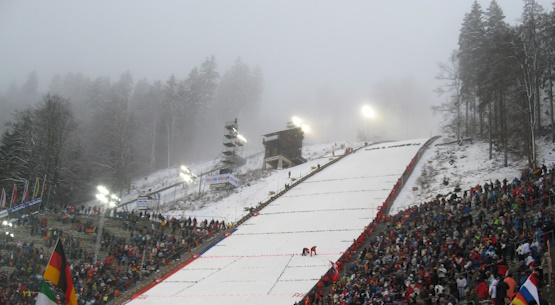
{"x":261,"y":262}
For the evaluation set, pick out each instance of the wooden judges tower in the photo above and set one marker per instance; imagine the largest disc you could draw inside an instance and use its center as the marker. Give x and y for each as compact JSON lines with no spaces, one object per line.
{"x":283,"y":148}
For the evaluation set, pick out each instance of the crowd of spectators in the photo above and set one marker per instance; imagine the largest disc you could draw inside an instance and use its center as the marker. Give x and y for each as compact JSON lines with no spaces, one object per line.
{"x":461,"y":246}
{"x":153,"y":242}
{"x":453,"y":248}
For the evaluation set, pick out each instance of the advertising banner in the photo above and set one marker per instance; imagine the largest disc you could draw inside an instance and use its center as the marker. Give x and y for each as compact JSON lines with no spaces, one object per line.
{"x":142,"y":202}
{"x":222,"y":180}
{"x":25,"y":205}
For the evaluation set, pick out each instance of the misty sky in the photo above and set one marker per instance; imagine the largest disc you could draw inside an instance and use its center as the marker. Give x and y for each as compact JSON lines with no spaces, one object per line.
{"x":319,"y":58}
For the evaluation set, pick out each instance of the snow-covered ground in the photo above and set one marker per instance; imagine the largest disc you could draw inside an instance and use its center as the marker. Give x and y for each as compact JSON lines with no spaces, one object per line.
{"x":261,"y":262}
{"x":255,"y":185}
{"x":463,"y":166}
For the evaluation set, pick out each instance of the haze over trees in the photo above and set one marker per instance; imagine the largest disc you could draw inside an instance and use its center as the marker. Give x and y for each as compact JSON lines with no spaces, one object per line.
{"x":498,"y":87}
{"x":86,"y":132}
{"x":499,"y":83}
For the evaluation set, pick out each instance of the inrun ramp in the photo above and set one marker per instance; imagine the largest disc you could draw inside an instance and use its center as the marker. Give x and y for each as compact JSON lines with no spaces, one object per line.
{"x":261,"y":262}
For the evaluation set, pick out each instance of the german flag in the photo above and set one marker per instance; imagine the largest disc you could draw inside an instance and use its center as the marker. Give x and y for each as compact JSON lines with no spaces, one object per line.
{"x":59,"y":274}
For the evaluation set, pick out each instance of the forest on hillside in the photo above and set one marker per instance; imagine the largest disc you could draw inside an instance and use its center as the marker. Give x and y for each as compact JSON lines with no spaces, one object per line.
{"x":86,"y":132}
{"x":499,"y":83}
{"x":497,"y":87}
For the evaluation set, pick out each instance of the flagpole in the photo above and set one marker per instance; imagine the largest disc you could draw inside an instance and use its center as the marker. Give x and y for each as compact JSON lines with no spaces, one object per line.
{"x":53,"y":250}
{"x":42,"y":192}
{"x":13,"y":192}
{"x":25,"y":189}
{"x":35,"y":187}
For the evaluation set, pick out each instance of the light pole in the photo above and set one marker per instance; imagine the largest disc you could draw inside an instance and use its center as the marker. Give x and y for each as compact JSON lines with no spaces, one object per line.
{"x":110,"y":201}
{"x":368,"y":113}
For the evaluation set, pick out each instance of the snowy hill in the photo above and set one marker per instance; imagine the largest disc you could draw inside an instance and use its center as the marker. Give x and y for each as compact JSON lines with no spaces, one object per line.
{"x":255,"y":185}
{"x":260,"y":262}
{"x":445,"y":161}
{"x":463,"y":166}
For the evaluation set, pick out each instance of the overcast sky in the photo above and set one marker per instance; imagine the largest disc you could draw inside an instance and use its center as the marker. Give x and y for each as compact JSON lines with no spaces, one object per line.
{"x":314,"y":54}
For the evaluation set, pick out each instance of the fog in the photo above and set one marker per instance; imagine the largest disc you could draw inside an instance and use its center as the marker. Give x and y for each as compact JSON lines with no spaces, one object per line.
{"x":321,"y":60}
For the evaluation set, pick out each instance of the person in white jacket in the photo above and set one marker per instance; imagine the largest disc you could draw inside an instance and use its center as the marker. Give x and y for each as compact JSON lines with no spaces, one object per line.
{"x":493,"y":289}
{"x":461,"y":286}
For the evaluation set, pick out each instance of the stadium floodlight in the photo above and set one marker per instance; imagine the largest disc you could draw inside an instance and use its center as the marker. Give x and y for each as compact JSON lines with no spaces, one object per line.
{"x":297,"y":122}
{"x":111,"y":201}
{"x":240,"y":137}
{"x":186,"y":174}
{"x":7,"y":226}
{"x":368,"y":112}
{"x":103,"y":190}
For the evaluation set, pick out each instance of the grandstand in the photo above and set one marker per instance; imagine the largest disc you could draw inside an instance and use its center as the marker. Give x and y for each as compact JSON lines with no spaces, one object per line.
{"x":336,"y":201}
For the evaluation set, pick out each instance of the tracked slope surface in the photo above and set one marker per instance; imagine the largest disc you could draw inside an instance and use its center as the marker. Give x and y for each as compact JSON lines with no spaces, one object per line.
{"x":261,"y":262}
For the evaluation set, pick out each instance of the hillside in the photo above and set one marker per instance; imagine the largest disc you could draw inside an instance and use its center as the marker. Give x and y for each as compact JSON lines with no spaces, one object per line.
{"x":446,"y":166}
{"x":442,"y":168}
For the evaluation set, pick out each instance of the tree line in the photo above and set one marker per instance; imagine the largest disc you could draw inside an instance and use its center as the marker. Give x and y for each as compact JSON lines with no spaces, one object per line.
{"x":499,"y":83}
{"x":86,"y":132}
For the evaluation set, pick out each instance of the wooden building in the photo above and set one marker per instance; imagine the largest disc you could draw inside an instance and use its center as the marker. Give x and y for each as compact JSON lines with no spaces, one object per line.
{"x":283,"y":148}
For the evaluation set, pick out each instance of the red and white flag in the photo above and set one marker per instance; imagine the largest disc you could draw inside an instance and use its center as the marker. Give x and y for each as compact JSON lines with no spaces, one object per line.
{"x":25,"y":189}
{"x":14,"y":195}
{"x":335,"y":267}
{"x":44,"y":186}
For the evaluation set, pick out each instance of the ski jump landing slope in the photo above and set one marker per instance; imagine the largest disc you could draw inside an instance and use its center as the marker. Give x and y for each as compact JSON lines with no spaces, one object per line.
{"x":261,"y":262}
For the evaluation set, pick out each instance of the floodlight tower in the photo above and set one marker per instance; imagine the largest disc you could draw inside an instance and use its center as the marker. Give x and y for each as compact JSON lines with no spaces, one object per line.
{"x":232,"y":145}
{"x":110,"y":201}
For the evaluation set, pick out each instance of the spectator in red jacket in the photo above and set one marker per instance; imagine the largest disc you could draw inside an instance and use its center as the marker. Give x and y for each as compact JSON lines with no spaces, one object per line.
{"x":313,"y":249}
{"x":482,"y":290}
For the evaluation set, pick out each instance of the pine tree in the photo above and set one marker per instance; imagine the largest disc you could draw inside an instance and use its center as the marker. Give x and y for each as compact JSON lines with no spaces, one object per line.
{"x":471,"y":41}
